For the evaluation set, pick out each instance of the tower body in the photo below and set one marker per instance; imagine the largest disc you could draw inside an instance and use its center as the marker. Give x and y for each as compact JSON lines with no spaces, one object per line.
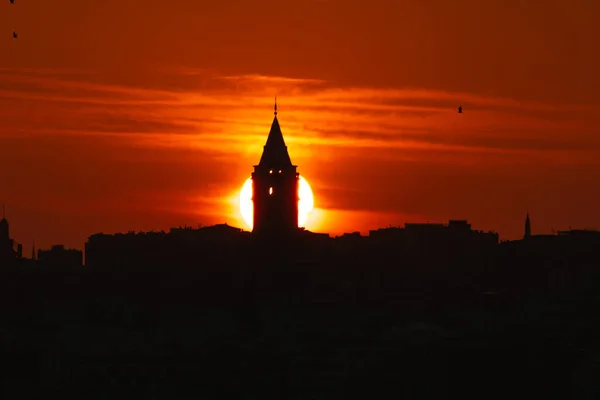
{"x":275,"y":188}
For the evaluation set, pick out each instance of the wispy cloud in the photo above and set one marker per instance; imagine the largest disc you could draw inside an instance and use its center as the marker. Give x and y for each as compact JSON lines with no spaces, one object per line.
{"x":233,"y":110}
{"x":255,"y":79}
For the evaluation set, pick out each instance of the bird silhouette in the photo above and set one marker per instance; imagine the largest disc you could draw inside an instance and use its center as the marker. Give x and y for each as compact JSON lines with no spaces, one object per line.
{"x":15,"y":35}
{"x":12,"y":1}
{"x":460,"y":109}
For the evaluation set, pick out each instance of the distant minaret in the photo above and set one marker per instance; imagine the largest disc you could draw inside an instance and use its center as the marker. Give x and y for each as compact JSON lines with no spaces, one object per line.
{"x":33,"y":251}
{"x":527,"y":227}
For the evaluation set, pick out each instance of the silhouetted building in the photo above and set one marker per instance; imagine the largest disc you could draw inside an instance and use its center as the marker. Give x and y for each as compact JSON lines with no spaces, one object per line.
{"x":432,"y":235}
{"x":181,"y":247}
{"x":8,"y":255}
{"x":354,"y":237}
{"x":275,"y":188}
{"x":60,"y":257}
{"x":581,"y":234}
{"x":527,"y":227}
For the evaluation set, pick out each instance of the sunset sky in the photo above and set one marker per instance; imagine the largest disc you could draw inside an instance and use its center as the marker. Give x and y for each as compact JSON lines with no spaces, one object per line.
{"x":120,"y":115}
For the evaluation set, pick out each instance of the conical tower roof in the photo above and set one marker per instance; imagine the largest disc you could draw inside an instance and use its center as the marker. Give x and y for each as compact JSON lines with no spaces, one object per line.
{"x":275,"y":154}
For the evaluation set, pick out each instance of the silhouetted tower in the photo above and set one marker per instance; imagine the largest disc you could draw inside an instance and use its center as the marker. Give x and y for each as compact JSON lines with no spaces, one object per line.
{"x":527,"y":227}
{"x":275,"y":187}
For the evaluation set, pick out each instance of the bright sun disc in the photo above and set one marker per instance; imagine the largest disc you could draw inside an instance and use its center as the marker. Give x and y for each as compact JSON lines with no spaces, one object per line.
{"x":305,"y":204}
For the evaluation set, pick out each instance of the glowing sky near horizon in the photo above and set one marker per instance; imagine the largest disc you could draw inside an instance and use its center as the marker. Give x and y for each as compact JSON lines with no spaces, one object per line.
{"x":155,"y":121}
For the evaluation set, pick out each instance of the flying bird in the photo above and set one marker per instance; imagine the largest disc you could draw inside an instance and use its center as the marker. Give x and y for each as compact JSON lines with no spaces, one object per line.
{"x":460,"y":109}
{"x":12,"y":1}
{"x":15,"y":35}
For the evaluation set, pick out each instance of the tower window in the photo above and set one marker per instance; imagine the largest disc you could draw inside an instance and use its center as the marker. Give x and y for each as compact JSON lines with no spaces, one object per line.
{"x":270,"y":191}
{"x":270,"y":171}
{"x":279,"y":171}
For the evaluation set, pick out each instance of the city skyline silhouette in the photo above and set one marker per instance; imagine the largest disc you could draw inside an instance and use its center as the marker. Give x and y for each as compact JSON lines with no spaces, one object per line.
{"x":275,"y":200}
{"x":274,"y":162}
{"x":316,"y":200}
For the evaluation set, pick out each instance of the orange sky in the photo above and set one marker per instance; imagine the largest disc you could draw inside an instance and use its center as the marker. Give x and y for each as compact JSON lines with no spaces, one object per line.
{"x":146,"y":114}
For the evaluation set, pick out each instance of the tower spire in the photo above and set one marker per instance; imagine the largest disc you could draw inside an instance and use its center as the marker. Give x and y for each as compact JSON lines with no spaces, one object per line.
{"x":275,"y":106}
{"x":3,"y":212}
{"x":527,"y":226}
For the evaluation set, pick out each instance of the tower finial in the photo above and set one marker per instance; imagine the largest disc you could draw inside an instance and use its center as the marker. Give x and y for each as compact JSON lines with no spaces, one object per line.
{"x":275,"y":107}
{"x":3,"y":212}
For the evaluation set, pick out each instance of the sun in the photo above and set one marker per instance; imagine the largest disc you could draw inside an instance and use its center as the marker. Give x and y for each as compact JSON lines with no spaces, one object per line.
{"x":305,"y":204}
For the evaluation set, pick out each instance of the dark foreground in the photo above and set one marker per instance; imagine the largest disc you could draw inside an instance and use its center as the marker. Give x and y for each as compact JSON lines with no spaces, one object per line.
{"x":179,"y":339}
